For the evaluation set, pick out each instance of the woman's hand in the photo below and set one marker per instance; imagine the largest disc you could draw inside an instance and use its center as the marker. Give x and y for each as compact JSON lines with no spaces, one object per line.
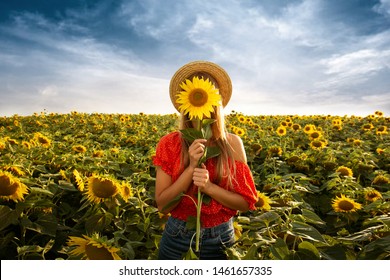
{"x":201,"y":179}
{"x":196,"y":151}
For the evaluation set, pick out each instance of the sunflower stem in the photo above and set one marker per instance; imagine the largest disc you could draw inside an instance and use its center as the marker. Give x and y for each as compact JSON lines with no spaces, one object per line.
{"x":198,"y":211}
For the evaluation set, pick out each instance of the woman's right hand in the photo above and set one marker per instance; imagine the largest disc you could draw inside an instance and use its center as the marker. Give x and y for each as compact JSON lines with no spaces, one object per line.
{"x":196,"y":151}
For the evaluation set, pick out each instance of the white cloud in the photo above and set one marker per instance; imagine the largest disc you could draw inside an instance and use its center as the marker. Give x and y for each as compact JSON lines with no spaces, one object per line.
{"x":357,"y":66}
{"x":383,"y":7}
{"x":50,"y":91}
{"x":293,"y":61}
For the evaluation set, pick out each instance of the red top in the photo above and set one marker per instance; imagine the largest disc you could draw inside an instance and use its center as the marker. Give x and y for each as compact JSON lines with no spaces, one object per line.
{"x":168,"y":155}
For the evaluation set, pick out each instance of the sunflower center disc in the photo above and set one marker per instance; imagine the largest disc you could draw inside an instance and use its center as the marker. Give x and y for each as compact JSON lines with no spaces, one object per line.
{"x":198,"y":97}
{"x":7,"y":187}
{"x":103,"y":189}
{"x":346,"y":205}
{"x":95,"y":253}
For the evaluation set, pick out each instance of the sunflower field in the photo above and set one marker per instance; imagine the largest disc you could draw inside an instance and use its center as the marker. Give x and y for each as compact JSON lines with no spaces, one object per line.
{"x":81,"y":186}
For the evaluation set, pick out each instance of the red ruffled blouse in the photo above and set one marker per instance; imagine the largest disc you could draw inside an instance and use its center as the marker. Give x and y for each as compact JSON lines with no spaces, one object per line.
{"x":168,"y":155}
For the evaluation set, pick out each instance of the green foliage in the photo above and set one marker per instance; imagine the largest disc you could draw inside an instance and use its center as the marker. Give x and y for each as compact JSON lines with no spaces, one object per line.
{"x":300,"y":180}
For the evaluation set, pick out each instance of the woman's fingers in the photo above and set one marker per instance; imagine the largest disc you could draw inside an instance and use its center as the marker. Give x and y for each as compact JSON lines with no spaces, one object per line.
{"x":200,"y":177}
{"x":196,"y":150}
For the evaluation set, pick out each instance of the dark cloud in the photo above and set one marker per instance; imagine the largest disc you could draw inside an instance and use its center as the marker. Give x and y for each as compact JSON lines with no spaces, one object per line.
{"x":110,"y":56}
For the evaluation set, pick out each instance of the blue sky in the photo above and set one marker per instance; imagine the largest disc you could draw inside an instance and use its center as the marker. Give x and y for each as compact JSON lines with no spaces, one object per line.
{"x":284,"y":57}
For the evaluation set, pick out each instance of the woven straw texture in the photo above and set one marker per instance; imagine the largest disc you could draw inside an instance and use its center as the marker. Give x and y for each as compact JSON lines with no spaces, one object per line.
{"x":206,"y":70}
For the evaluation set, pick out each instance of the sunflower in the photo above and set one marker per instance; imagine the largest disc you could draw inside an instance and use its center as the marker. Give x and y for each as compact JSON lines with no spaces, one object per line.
{"x":337,"y":127}
{"x":239,"y":131}
{"x":281,"y":130}
{"x":79,"y":148}
{"x":372,"y":195}
{"x":98,"y":153}
{"x":357,"y":142}
{"x":25,"y":144}
{"x":79,"y":180}
{"x":256,"y":148}
{"x":296,"y":127}
{"x":126,"y":191}
{"x":237,"y":230}
{"x":315,"y":135}
{"x":241,"y":119}
{"x":15,"y":170}
{"x":337,"y":122}
{"x":317,"y":144}
{"x":263,"y":201}
{"x":309,"y":128}
{"x":11,"y":188}
{"x":379,"y":113}
{"x":12,"y":141}
{"x":275,"y":151}
{"x":198,"y":98}
{"x":100,"y":188}
{"x":345,"y":171}
{"x":345,"y":204}
{"x":382,"y":130}
{"x":367,"y":127}
{"x":380,"y":180}
{"x":380,"y":151}
{"x":43,"y":140}
{"x":2,"y":145}
{"x":92,"y":248}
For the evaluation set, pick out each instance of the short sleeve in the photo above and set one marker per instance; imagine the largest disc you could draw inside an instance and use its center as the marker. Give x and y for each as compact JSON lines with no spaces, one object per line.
{"x":244,"y":184}
{"x":168,"y":152}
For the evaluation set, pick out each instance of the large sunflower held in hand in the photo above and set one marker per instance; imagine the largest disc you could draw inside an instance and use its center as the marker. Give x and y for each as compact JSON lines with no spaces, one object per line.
{"x":198,"y":98}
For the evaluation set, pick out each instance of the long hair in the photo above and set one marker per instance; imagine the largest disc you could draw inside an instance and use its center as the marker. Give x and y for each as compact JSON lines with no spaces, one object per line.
{"x":225,"y":167}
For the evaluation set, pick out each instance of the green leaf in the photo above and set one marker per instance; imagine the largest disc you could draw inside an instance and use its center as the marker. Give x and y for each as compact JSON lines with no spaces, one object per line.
{"x":64,"y":185}
{"x":206,"y":199}
{"x":308,"y":251}
{"x":190,"y":255}
{"x":267,"y":217}
{"x":173,"y":201}
{"x":206,"y":128}
{"x":128,"y":251}
{"x":207,"y":122}
{"x":212,"y":152}
{"x":7,"y":217}
{"x":209,"y":152}
{"x":98,"y":222}
{"x":312,"y":217}
{"x":146,"y":224}
{"x":280,"y":250}
{"x":252,"y":253}
{"x":190,"y":134}
{"x":45,"y":224}
{"x":191,"y":223}
{"x":363,"y":235}
{"x":306,"y":231}
{"x":376,"y":250}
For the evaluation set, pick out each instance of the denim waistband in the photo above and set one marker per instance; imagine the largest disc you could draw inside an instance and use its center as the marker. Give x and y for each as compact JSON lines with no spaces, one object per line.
{"x":205,"y":232}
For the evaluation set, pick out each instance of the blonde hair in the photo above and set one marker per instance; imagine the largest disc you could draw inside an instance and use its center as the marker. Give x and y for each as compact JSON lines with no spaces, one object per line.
{"x":225,"y":162}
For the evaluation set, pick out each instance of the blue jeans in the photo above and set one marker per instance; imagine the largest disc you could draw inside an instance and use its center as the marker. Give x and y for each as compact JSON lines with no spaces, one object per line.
{"x":176,"y":238}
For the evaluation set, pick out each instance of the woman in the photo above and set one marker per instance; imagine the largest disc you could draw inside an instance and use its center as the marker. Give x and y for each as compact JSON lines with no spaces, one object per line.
{"x":226,"y":179}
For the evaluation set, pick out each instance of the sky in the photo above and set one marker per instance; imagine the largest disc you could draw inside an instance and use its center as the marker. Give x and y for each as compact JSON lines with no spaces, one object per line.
{"x":284,"y":57}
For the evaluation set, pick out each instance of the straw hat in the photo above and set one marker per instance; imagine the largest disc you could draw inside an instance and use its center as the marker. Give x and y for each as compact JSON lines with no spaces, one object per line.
{"x":206,"y":70}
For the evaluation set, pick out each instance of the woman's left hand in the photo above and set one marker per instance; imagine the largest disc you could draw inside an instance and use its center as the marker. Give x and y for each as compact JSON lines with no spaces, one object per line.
{"x":201,"y":178}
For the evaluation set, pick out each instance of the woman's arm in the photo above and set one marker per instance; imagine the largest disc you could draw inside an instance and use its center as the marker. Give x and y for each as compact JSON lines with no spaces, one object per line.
{"x":166,"y":191}
{"x":227,"y":198}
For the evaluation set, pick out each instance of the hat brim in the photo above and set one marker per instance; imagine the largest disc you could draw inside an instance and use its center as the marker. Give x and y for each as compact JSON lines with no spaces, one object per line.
{"x":201,"y":68}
